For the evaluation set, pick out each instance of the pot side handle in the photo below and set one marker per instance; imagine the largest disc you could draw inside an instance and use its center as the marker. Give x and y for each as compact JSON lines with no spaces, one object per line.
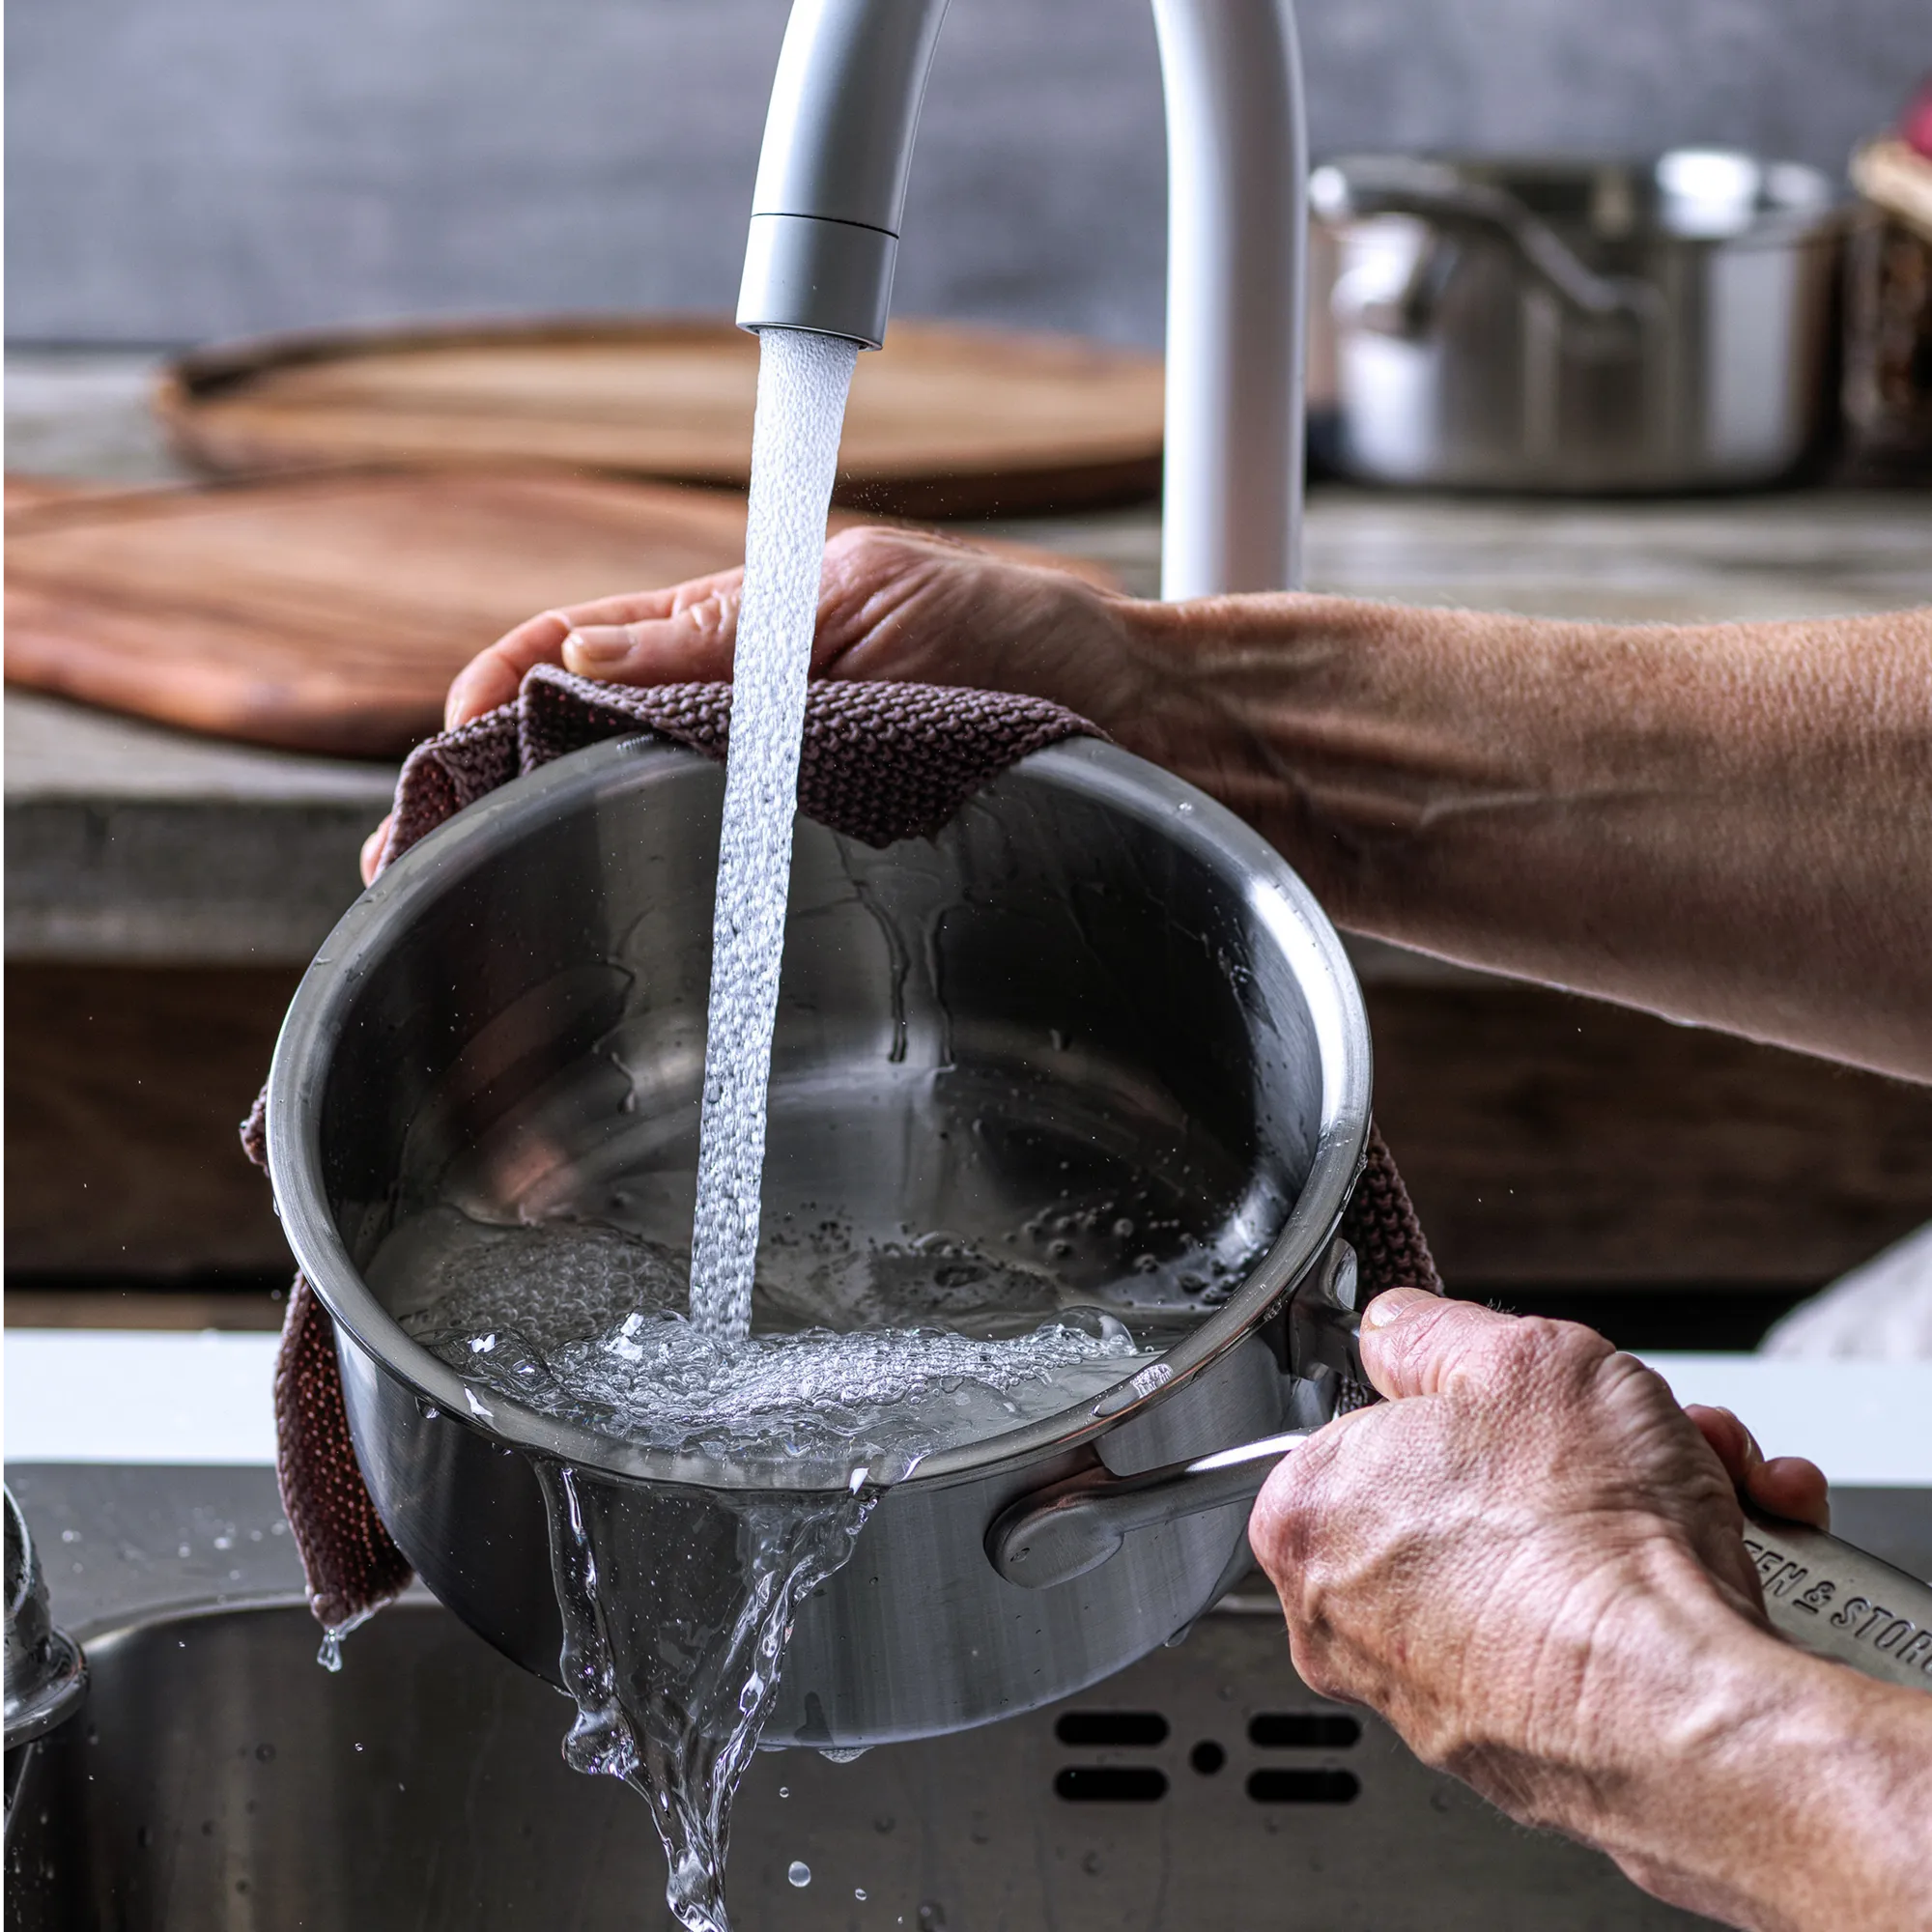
{"x":1062,"y":1532}
{"x":1396,"y":184}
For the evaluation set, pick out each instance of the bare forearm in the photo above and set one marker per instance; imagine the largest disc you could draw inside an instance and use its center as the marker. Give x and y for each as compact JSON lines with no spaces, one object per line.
{"x":1730,"y":824}
{"x":1773,"y":1791}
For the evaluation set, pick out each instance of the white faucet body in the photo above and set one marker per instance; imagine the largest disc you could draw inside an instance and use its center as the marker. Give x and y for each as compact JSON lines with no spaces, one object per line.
{"x":831,"y":195}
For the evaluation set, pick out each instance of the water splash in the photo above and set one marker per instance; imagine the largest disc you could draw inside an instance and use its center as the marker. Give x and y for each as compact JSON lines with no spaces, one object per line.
{"x":802,"y":382}
{"x":677,"y":1605}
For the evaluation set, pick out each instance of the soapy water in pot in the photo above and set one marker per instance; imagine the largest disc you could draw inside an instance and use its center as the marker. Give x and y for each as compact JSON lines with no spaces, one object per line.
{"x":677,"y":1603}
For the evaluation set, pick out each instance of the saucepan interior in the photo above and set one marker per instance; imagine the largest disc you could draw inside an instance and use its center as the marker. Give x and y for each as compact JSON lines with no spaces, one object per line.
{"x":1094,"y":1044}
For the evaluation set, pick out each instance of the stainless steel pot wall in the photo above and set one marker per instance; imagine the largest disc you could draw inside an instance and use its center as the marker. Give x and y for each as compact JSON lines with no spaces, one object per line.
{"x":1571,"y":326}
{"x":1094,"y":986}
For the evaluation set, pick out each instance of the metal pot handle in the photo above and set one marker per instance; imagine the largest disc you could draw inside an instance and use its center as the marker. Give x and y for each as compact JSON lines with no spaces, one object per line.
{"x":1394,"y":184}
{"x":1830,"y":1597}
{"x":1820,"y":1592}
{"x":1056,"y":1534}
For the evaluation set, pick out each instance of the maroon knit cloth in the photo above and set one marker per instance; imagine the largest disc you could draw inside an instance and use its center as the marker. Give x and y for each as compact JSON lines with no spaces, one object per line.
{"x":879,"y":762}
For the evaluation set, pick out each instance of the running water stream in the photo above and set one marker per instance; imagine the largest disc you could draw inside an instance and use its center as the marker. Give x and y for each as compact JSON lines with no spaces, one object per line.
{"x":673,"y":1668}
{"x":803,"y":383}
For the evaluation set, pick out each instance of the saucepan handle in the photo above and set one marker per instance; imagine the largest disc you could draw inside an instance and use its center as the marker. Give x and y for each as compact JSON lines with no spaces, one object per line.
{"x":1056,"y":1534}
{"x":1822,"y":1593}
{"x":1828,"y":1597}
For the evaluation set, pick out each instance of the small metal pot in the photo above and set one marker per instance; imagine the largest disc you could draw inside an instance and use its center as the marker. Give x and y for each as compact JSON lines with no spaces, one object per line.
{"x":1094,"y":987}
{"x":1573,"y":326}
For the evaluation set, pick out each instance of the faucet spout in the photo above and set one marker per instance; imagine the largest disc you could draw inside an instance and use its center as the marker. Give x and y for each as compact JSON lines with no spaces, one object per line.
{"x":831,"y":195}
{"x":832,"y":176}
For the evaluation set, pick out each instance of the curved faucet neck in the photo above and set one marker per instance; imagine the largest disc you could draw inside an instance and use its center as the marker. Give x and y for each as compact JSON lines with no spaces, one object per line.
{"x":825,"y":225}
{"x":1236,"y":243}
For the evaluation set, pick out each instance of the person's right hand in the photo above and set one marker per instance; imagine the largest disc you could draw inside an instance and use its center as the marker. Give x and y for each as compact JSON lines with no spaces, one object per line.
{"x":1530,"y":1561}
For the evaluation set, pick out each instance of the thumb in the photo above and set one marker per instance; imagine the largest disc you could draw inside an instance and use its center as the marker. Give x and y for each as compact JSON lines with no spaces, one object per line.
{"x":1415,"y":1342}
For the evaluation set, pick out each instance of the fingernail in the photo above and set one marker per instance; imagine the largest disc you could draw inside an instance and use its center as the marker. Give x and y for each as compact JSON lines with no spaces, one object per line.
{"x":1392,"y":1304}
{"x":598,"y":647}
{"x":453,"y":703}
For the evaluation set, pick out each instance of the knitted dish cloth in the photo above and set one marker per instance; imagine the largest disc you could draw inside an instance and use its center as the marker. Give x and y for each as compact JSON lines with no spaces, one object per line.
{"x":879,"y":762}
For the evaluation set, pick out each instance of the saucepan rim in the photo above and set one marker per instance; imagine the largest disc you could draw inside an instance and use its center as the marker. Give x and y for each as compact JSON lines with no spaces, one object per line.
{"x":1088,"y":767}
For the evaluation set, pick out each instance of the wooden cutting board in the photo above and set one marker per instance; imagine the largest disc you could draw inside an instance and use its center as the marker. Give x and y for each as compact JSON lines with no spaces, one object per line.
{"x":328,"y":613}
{"x":944,"y":421}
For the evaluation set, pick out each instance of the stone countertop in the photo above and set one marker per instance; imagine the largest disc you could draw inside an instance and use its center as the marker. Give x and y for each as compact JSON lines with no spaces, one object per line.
{"x":128,"y":841}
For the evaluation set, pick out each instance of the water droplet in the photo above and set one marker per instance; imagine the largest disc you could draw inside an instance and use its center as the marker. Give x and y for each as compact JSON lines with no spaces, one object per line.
{"x":799,"y":1873}
{"x":858,"y":1892}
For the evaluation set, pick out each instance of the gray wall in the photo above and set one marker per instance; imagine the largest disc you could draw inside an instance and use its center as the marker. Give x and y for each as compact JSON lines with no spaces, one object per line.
{"x":179,"y":169}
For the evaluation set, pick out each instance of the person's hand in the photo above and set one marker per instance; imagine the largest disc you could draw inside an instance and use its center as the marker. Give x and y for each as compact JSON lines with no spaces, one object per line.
{"x":893,"y":604}
{"x":1529,"y":1560}
{"x":898,"y":605}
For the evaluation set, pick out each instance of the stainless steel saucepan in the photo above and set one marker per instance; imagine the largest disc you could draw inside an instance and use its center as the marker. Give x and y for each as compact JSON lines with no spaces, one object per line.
{"x":1096,"y":1025}
{"x":1573,"y":326}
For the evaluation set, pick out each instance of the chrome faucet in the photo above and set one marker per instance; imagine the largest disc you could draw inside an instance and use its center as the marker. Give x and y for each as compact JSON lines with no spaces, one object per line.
{"x":831,"y":193}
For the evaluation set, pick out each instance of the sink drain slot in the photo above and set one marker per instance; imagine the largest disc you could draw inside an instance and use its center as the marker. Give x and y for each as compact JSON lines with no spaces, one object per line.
{"x":1111,"y":1785}
{"x":1112,"y":1730}
{"x":1304,"y":1730}
{"x":1280,"y":1786}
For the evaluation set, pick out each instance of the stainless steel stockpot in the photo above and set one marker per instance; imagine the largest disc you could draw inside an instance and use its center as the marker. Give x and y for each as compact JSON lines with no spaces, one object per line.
{"x":1572,"y":325}
{"x":1094,"y":987}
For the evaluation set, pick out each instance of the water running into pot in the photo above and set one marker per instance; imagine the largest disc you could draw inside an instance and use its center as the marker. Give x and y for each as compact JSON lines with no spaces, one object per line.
{"x":802,"y":382}
{"x":714,"y":1609}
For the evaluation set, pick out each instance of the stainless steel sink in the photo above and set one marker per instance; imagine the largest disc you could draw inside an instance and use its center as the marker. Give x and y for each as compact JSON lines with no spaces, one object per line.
{"x":216,"y":1778}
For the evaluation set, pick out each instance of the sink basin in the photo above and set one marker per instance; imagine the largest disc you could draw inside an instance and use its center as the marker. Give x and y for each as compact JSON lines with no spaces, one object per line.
{"x":217,"y":1779}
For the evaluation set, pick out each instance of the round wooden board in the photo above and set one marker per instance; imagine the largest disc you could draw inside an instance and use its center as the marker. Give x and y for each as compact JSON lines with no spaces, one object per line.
{"x":944,"y":421}
{"x":328,"y":613}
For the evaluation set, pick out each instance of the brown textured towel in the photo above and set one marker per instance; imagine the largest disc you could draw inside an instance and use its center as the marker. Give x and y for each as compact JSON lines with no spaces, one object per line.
{"x":880,"y":762}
